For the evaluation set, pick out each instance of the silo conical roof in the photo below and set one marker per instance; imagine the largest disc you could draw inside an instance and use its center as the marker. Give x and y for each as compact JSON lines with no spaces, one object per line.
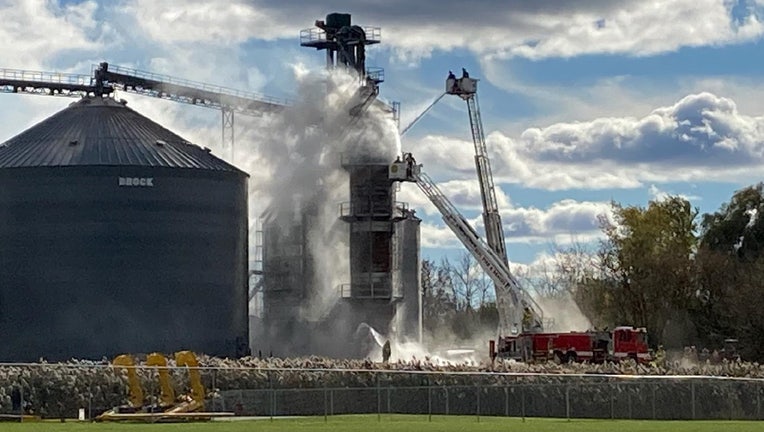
{"x":97,"y":131}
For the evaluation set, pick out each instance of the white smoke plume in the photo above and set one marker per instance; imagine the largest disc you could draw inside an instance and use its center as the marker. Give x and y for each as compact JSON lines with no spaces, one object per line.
{"x":294,"y":160}
{"x":564,"y":314}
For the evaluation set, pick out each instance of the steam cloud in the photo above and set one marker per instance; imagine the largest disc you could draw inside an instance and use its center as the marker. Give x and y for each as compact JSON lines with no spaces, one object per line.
{"x":295,"y":165}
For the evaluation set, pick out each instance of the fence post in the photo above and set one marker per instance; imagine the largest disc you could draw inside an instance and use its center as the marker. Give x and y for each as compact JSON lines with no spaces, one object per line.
{"x":241,"y":399}
{"x":652,"y":387}
{"x":379,"y":400}
{"x":326,"y":404}
{"x":506,"y":401}
{"x":612,"y":400}
{"x":447,"y":408}
{"x":331,"y":401}
{"x":692,"y":393}
{"x":567,"y":402}
{"x":630,"y":414}
{"x":272,"y":397}
{"x":429,"y":401}
{"x":478,"y":403}
{"x":215,"y":388}
{"x":215,"y":400}
{"x":522,"y":401}
{"x":758,"y":402}
{"x":389,"y":411}
{"x":732,"y":401}
{"x":90,"y":397}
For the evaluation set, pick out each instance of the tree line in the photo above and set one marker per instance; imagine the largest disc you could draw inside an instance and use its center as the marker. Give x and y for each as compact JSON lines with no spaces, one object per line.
{"x":691,"y":279}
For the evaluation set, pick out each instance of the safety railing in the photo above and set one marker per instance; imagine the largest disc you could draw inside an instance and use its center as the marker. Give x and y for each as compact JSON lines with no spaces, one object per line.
{"x":379,"y":290}
{"x":314,"y":34}
{"x":45,"y":77}
{"x":376,"y":74}
{"x":349,"y":210}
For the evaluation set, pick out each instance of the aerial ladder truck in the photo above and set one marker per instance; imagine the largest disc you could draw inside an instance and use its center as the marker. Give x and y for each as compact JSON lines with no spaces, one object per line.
{"x":521,"y":333}
{"x":518,"y":312}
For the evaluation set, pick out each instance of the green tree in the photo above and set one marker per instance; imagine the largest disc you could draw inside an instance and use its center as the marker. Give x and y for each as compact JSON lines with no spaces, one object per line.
{"x":731,"y":273}
{"x":737,"y":228}
{"x":646,"y":273}
{"x":437,"y":306}
{"x":456,"y":300}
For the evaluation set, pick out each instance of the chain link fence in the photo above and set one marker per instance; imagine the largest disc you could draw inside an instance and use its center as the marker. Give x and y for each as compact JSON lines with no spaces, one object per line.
{"x":51,"y":390}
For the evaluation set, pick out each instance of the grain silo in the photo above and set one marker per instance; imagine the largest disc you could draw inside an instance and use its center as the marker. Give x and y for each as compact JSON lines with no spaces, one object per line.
{"x":118,"y":236}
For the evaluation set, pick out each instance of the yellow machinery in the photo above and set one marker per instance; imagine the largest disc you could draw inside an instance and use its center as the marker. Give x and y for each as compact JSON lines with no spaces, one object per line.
{"x":168,"y":393}
{"x":186,"y":408}
{"x":126,"y":362}
{"x":196,"y":401}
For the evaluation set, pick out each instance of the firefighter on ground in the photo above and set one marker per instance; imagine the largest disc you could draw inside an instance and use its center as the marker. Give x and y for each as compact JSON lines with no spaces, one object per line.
{"x":386,"y":352}
{"x":660,"y":356}
{"x":527,"y":318}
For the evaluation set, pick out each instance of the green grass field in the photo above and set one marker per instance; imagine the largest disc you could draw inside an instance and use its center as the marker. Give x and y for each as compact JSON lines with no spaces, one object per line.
{"x":389,"y":423}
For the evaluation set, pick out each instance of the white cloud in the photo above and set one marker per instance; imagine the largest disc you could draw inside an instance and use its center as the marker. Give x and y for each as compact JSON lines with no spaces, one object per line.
{"x":438,"y":236}
{"x":700,"y":137}
{"x":222,"y":22}
{"x":464,"y":195}
{"x":700,"y":129}
{"x":542,"y":29}
{"x":537,"y":29}
{"x":658,"y":194}
{"x":32,"y":32}
{"x":640,"y":28}
{"x":562,"y":222}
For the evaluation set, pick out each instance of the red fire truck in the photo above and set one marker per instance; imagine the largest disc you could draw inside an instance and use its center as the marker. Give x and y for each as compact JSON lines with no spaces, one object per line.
{"x":590,"y":346}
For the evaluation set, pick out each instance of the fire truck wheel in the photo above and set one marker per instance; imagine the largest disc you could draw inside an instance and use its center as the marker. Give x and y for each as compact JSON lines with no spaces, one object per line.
{"x":558,"y":358}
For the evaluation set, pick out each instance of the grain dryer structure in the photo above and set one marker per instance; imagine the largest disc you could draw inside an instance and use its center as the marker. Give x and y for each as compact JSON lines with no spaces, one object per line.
{"x":380,"y":289}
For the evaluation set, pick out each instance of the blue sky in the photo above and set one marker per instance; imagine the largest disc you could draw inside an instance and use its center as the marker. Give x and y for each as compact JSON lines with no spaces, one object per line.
{"x":583,"y":102}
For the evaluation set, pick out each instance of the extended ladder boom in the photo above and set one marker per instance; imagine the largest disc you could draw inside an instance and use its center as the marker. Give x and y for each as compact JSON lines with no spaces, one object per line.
{"x":494,"y":231}
{"x":466,"y":88}
{"x":523,"y":313}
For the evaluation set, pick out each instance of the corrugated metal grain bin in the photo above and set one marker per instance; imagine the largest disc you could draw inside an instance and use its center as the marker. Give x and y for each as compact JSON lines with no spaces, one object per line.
{"x":118,"y":236}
